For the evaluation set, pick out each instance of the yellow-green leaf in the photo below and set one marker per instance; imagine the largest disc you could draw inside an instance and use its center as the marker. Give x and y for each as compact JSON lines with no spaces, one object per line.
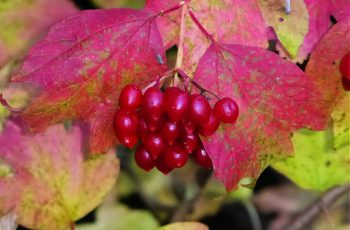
{"x":341,"y":122}
{"x":185,"y":226}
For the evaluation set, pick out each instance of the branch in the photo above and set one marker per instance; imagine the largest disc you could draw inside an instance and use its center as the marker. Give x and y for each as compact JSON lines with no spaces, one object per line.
{"x":310,"y":213}
{"x":187,"y":204}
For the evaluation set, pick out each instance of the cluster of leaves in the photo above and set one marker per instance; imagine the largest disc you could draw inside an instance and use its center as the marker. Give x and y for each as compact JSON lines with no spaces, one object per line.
{"x":86,"y":59}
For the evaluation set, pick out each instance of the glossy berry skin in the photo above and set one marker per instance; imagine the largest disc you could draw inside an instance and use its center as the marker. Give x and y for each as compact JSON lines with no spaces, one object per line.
{"x":344,"y":66}
{"x":153,"y":102}
{"x":155,"y":122}
{"x":125,"y":123}
{"x":189,"y":126}
{"x":175,"y":156}
{"x":226,"y":110}
{"x":162,"y":166}
{"x":177,"y":103}
{"x":144,"y":159}
{"x":209,"y":128}
{"x":190,"y":142}
{"x":143,"y":129}
{"x":154,"y":143}
{"x":202,"y":158}
{"x":130,"y":97}
{"x":171,"y":131}
{"x":346,"y":83}
{"x":199,"y":110}
{"x":129,"y":140}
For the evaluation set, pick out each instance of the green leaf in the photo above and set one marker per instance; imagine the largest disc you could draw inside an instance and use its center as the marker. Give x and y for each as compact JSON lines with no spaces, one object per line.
{"x":185,"y":226}
{"x":120,"y":217}
{"x":341,"y":122}
{"x":316,"y":165}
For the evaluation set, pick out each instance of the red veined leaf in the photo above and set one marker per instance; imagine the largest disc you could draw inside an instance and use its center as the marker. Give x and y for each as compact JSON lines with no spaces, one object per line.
{"x":340,"y":9}
{"x":237,"y":21}
{"x":82,"y":64}
{"x":323,"y":67}
{"x":274,"y":97}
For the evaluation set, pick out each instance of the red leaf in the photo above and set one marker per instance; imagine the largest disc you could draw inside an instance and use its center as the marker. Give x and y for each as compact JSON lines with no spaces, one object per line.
{"x":323,"y":66}
{"x":23,"y":21}
{"x":84,"y":62}
{"x":237,"y":21}
{"x":275,"y":98}
{"x":340,"y":9}
{"x":47,"y":180}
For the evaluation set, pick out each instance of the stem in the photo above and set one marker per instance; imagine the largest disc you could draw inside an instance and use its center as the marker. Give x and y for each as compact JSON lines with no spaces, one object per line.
{"x":199,"y":25}
{"x":72,"y":226}
{"x":186,"y":77}
{"x":180,"y":50}
{"x":186,"y":206}
{"x":303,"y":219}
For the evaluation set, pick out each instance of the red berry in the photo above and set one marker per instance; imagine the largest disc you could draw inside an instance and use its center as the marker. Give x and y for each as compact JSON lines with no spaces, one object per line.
{"x":226,"y":110}
{"x":199,"y":110}
{"x":144,"y":159}
{"x":155,"y":123}
{"x":344,"y":66}
{"x":207,"y":129}
{"x":177,"y":103}
{"x":125,"y":122}
{"x":346,"y":83}
{"x":143,"y":129}
{"x":189,"y":126}
{"x":171,"y":132}
{"x":153,"y":103}
{"x":175,"y":156}
{"x":129,"y":140}
{"x":190,"y":142}
{"x":202,"y":158}
{"x":130,"y":97}
{"x":154,"y":144}
{"x":162,"y":166}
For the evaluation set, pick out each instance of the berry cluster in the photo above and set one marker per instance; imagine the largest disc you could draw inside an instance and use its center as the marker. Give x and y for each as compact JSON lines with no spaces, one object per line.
{"x":168,"y":124}
{"x":344,"y":69}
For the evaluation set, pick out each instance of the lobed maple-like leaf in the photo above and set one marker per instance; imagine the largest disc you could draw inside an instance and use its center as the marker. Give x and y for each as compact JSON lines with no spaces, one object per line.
{"x":323,"y":67}
{"x":230,"y":21}
{"x":340,"y":9}
{"x":275,"y":98}
{"x":83,"y":63}
{"x":23,"y":21}
{"x":341,"y":122}
{"x":46,"y":180}
{"x":291,"y":28}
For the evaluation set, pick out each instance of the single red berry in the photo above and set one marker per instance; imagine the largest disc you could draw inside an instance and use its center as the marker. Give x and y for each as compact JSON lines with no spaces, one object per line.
{"x":153,"y":103}
{"x":129,"y":140}
{"x":130,"y":97}
{"x":162,"y":166}
{"x":175,"y":156}
{"x":207,"y":129}
{"x":171,"y":132}
{"x":190,"y":142}
{"x":154,"y":143}
{"x":177,"y":103}
{"x":199,"y":110}
{"x":202,"y":158}
{"x":346,"y":83}
{"x":226,"y":110}
{"x":144,"y":159}
{"x":125,"y":122}
{"x":344,"y":66}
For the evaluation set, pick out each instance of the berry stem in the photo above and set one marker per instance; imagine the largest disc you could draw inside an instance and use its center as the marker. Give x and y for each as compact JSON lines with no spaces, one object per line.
{"x":180,"y":50}
{"x":186,"y":77}
{"x":200,"y":26}
{"x":4,"y":103}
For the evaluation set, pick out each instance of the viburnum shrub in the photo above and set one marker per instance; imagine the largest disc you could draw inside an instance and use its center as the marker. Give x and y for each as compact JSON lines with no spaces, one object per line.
{"x":231,"y":102}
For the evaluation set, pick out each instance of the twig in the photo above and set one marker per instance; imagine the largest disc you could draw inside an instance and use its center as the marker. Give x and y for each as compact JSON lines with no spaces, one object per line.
{"x":72,"y":226}
{"x":187,"y":204}
{"x":288,"y":7}
{"x":310,"y":213}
